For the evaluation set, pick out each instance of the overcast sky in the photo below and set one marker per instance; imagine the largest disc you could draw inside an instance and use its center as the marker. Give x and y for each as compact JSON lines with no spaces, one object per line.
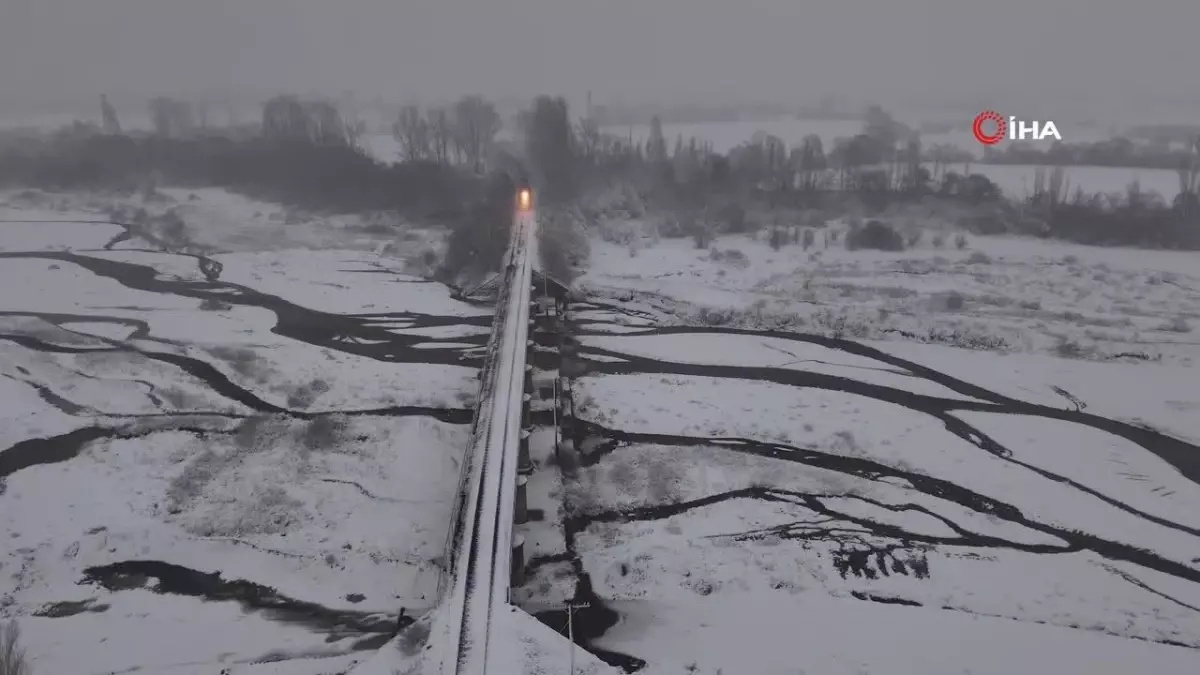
{"x":641,"y":49}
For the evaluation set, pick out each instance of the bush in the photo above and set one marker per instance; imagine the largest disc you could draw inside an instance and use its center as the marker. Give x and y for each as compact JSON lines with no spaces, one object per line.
{"x":874,"y":235}
{"x":702,"y":234}
{"x":12,"y":656}
{"x":1177,"y":325}
{"x":777,"y":238}
{"x":732,"y":256}
{"x":616,"y":232}
{"x":562,"y":244}
{"x":809,"y":239}
{"x":939,"y":240}
{"x":733,"y":218}
{"x":960,"y":241}
{"x":913,"y":238}
{"x":478,"y":240}
{"x":978,"y":258}
{"x":1070,"y":349}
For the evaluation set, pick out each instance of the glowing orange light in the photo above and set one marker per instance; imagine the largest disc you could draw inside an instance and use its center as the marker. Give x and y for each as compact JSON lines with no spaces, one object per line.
{"x":525,"y":200}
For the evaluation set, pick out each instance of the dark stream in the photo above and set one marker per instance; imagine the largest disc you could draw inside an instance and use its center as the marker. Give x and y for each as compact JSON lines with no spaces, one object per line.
{"x":378,"y":336}
{"x":850,"y":534}
{"x":375,"y":336}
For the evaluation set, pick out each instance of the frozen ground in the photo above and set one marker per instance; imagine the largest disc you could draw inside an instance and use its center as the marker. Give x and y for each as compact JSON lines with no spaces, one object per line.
{"x":818,"y":462}
{"x":231,"y":446}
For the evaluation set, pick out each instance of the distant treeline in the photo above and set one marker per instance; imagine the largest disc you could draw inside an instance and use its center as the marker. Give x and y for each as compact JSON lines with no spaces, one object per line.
{"x":305,"y":153}
{"x":1115,"y":152}
{"x":297,"y":173}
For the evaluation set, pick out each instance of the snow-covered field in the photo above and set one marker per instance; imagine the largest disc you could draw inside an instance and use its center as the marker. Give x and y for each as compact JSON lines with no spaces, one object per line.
{"x":240,"y":451}
{"x":937,"y":461}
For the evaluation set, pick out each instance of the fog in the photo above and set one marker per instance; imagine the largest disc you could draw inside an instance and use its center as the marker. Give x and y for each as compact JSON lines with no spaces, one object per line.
{"x":1018,"y":52}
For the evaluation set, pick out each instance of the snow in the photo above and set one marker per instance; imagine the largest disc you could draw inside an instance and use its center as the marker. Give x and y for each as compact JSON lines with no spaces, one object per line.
{"x":836,"y":636}
{"x":278,"y":427}
{"x":1023,"y":295}
{"x":776,"y":505}
{"x":316,"y":279}
{"x":718,"y":349}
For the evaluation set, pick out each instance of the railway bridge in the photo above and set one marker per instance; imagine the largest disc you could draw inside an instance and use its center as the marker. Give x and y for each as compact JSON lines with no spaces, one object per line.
{"x":475,"y":629}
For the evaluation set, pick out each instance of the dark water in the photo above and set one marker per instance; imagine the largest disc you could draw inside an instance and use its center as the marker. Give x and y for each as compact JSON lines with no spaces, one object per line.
{"x":906,"y":554}
{"x":170,"y":579}
{"x":377,"y":336}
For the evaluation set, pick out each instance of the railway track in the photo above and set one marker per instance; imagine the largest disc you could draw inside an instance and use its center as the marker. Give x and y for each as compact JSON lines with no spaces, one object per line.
{"x":480,"y":549}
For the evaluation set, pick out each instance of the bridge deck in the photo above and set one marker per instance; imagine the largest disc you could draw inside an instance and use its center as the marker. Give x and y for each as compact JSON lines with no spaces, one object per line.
{"x":483,"y":526}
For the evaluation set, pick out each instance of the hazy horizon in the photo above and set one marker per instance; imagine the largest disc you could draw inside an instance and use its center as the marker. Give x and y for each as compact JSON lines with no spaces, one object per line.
{"x":1046,"y":54}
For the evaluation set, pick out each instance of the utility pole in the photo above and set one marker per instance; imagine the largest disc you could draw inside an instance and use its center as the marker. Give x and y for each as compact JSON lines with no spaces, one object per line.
{"x":571,"y":607}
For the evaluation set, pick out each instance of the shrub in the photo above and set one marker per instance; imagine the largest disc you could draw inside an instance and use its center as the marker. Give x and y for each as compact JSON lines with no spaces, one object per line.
{"x":939,"y":240}
{"x":913,"y":238}
{"x":616,"y":232}
{"x":1070,"y":349}
{"x":960,"y":241}
{"x":479,"y":239}
{"x":732,"y":217}
{"x":978,"y":258}
{"x":778,"y":238}
{"x":874,"y":235}
{"x":955,"y":301}
{"x":808,"y":239}
{"x":732,"y":256}
{"x":562,"y":244}
{"x":12,"y":656}
{"x":1177,"y":325}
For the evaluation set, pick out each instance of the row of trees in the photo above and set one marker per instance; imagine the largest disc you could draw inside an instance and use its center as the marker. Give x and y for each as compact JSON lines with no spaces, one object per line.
{"x":289,"y":118}
{"x":284,"y":118}
{"x":462,"y":133}
{"x":1121,"y":152}
{"x":884,"y":163}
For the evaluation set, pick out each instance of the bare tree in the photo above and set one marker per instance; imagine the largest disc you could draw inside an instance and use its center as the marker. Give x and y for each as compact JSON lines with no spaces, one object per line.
{"x":592,"y":144}
{"x":318,"y":122}
{"x":411,"y":131}
{"x":12,"y":656}
{"x":550,"y":144}
{"x":284,"y":118}
{"x":325,"y":125}
{"x":201,"y":114}
{"x":171,"y":118}
{"x":441,"y":135}
{"x":809,"y":160}
{"x":915,"y":177}
{"x":474,"y":127}
{"x":656,"y":144}
{"x":111,"y":126}
{"x":1188,"y":198}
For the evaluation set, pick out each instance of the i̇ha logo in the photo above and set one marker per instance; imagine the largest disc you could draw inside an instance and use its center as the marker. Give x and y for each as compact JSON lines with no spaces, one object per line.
{"x":990,"y":128}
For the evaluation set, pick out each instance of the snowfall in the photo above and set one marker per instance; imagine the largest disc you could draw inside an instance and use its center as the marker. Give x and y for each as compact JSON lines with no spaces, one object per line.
{"x":235,"y":454}
{"x":978,"y":459}
{"x":238,"y":454}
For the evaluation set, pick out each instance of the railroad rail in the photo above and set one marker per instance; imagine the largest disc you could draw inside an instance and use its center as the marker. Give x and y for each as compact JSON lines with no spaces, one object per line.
{"x":481,"y":536}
